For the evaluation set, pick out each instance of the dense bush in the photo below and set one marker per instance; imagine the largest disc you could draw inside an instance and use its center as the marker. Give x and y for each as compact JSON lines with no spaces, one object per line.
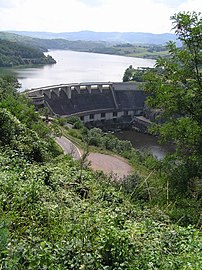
{"x":96,"y":137}
{"x":21,"y":127}
{"x":19,"y":138}
{"x":46,"y":223}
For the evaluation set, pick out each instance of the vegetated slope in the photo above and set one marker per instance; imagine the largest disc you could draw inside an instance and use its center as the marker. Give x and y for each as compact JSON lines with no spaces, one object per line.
{"x":14,"y":53}
{"x":51,"y":218}
{"x":57,"y":214}
{"x":45,"y":44}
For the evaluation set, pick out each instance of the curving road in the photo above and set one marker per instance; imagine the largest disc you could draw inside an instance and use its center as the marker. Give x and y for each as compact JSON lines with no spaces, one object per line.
{"x":114,"y":166}
{"x":68,"y":147}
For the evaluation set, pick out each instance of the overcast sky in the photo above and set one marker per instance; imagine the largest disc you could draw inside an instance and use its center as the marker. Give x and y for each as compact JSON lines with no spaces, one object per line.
{"x":97,"y":15}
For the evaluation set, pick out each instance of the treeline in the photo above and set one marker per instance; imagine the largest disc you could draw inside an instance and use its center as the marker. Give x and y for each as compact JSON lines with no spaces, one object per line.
{"x":15,"y":54}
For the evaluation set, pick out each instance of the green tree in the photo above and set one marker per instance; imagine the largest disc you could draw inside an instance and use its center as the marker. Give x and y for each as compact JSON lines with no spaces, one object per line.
{"x":21,"y":109}
{"x":15,"y":53}
{"x":175,"y":87}
{"x":128,"y":74}
{"x":132,"y":74}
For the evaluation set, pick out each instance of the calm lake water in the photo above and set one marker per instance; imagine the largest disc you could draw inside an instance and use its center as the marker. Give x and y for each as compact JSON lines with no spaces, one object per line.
{"x":78,"y":67}
{"x":73,"y":67}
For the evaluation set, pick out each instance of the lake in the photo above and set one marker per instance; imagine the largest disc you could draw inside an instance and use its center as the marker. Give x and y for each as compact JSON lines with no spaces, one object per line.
{"x":78,"y":67}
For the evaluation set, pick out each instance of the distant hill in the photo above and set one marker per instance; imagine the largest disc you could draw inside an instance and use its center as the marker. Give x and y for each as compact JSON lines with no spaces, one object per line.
{"x":61,"y":44}
{"x":143,"y":50}
{"x":111,"y":37}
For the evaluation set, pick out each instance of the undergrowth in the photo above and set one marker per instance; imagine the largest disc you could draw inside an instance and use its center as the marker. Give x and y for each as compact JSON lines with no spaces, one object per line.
{"x":55,"y":213}
{"x":53,"y":219}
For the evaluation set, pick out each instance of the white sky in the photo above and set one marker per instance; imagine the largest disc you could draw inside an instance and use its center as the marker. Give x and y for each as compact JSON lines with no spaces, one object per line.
{"x":96,"y":15}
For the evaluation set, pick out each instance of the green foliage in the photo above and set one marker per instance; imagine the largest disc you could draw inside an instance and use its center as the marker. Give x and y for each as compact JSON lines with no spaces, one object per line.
{"x":14,"y":54}
{"x":47,"y":223}
{"x":132,"y":74}
{"x":78,"y":125}
{"x":128,"y":74}
{"x":15,"y":102}
{"x":72,"y":119}
{"x":175,"y":88}
{"x":130,"y":183}
{"x":97,"y":138}
{"x":19,"y":138}
{"x":61,"y":121}
{"x":21,"y":128}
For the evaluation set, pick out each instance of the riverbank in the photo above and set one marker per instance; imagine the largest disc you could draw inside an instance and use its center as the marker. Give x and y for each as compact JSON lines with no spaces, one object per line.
{"x":145,"y":142}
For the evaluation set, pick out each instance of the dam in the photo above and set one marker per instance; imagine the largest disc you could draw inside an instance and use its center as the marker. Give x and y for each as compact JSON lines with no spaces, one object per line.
{"x":91,"y":102}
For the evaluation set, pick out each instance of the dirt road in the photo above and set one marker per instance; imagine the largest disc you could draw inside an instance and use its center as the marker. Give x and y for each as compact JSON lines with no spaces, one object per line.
{"x":110,"y":165}
{"x":114,"y":166}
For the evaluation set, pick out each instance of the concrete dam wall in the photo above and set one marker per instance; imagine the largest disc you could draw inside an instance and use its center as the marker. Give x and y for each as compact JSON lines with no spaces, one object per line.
{"x":91,"y":101}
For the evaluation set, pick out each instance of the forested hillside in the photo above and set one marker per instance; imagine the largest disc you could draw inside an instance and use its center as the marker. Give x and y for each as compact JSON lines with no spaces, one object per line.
{"x":15,"y":54}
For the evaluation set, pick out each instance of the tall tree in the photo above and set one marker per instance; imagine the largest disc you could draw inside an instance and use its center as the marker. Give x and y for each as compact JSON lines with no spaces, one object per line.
{"x":175,"y":87}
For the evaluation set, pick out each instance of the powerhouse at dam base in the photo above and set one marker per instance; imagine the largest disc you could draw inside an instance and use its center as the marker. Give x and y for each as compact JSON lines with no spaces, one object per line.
{"x":96,"y":103}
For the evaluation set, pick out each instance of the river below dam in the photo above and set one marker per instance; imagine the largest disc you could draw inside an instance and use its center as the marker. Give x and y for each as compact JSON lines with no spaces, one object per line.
{"x":78,"y":67}
{"x":145,"y":142}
